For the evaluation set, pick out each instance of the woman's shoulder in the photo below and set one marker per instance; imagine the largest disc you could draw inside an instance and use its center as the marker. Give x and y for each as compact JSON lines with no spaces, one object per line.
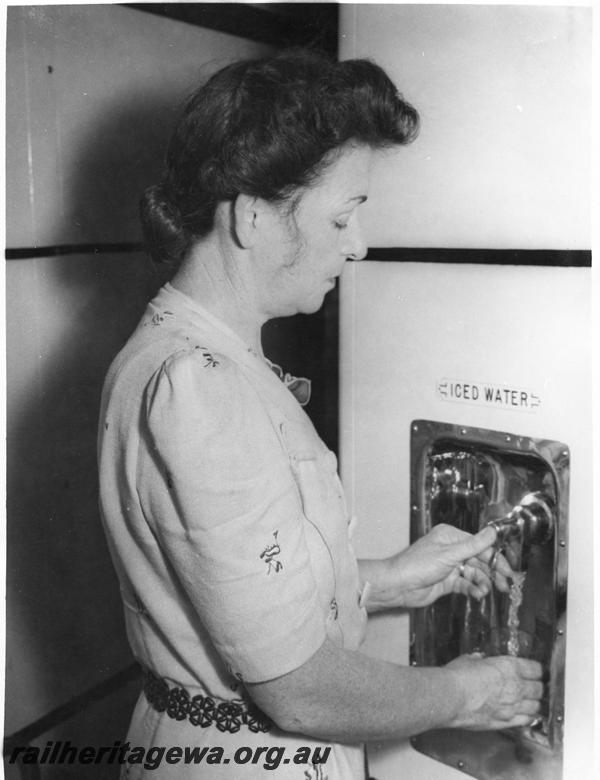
{"x":173,"y":369}
{"x":205,"y":384}
{"x":196,"y":365}
{"x":168,"y":353}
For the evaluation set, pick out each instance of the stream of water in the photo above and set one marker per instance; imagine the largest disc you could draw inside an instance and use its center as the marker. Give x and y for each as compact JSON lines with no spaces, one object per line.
{"x":515,"y":599}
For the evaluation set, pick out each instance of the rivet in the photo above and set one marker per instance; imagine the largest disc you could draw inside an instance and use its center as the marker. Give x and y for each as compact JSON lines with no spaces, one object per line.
{"x":562,"y":543}
{"x":507,"y":438}
{"x":415,"y":508}
{"x":464,"y":431}
{"x":565,"y":453}
{"x":413,"y":663}
{"x":560,"y":632}
{"x":559,"y":718}
{"x":415,"y":427}
{"x":460,"y":764}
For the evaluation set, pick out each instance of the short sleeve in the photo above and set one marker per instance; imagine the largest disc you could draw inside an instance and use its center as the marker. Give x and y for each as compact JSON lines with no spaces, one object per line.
{"x":228,"y":515}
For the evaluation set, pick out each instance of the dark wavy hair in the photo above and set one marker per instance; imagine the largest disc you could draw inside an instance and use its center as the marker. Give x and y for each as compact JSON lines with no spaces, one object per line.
{"x":266,"y":127}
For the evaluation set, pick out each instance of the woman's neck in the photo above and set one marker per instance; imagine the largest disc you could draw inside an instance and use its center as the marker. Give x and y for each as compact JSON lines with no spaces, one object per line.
{"x":216,"y":282}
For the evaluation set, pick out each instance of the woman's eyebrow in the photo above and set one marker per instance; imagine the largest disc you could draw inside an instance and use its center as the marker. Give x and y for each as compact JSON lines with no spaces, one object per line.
{"x":359,"y":198}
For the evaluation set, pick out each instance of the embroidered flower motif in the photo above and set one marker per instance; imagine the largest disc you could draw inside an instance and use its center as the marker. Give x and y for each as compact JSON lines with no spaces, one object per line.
{"x":202,"y":711}
{"x":159,"y":317}
{"x":211,"y":361}
{"x":178,"y":703}
{"x":269,"y":555}
{"x":316,"y":773}
{"x":333,"y":606}
{"x":228,"y":717}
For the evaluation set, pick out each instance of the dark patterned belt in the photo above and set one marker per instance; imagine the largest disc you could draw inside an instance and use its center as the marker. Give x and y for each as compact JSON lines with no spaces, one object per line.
{"x":202,"y":710}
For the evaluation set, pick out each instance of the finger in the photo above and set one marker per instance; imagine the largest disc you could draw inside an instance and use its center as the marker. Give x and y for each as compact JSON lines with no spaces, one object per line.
{"x":476,"y":581}
{"x":478,"y":563}
{"x":526,"y":707}
{"x":498,"y":568}
{"x":496,"y":561}
{"x":533,"y":690}
{"x":502,"y":566}
{"x":472,"y":546}
{"x":529,"y":707}
{"x":530,"y":670}
{"x":501,"y":582}
{"x":478,"y":575}
{"x":467,"y":588}
{"x":478,"y":592}
{"x":526,"y":668}
{"x":516,"y":721}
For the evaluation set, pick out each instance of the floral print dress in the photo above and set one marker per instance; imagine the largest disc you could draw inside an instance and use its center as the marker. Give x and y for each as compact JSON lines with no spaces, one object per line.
{"x":228,"y":529}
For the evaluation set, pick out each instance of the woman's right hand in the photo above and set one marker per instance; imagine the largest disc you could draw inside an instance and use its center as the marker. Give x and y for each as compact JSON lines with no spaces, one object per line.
{"x":499,"y":691}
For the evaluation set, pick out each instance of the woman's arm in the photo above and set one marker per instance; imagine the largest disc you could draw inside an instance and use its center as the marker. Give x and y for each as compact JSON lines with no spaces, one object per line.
{"x":224,"y":495}
{"x":431,"y":567}
{"x":349,"y":697}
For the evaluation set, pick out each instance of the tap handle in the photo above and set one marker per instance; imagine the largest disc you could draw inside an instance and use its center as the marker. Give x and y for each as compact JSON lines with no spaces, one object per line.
{"x":532,"y":520}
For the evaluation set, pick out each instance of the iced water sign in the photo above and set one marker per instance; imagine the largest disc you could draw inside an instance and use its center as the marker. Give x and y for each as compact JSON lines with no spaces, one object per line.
{"x":487,"y":394}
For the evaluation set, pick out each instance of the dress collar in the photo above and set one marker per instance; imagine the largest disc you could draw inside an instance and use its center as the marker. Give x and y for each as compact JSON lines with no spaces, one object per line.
{"x":225,"y":339}
{"x":200,"y":317}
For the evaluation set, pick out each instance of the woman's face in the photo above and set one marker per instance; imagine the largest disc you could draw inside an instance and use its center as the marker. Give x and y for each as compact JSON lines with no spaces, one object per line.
{"x":321,"y":234}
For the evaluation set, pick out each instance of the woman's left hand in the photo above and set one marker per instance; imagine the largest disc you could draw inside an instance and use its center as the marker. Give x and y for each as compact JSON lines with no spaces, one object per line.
{"x":446,"y":560}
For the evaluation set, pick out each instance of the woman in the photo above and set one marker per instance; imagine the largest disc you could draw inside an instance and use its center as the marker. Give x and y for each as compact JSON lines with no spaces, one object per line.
{"x":244,"y":602}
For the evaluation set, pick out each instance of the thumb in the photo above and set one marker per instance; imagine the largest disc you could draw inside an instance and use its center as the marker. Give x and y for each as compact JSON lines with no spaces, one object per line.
{"x":472,"y":546}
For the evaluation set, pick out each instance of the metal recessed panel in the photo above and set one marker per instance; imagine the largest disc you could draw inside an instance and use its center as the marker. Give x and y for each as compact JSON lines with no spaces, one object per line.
{"x":470,"y":477}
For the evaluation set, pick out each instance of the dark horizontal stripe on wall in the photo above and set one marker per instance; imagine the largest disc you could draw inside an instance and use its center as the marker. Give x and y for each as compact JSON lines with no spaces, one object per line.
{"x":281,"y":24}
{"x":73,"y":707}
{"x":25,"y":253}
{"x":580,"y":258}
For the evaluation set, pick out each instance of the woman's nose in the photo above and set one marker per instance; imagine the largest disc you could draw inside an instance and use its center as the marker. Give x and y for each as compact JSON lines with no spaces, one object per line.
{"x":356,"y":247}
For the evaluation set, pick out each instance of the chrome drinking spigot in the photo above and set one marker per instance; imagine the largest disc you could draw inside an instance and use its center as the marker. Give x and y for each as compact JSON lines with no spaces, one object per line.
{"x":529,"y":522}
{"x":508,"y":527}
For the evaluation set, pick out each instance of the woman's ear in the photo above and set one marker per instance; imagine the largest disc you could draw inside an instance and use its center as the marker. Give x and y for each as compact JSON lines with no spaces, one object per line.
{"x":247,"y":219}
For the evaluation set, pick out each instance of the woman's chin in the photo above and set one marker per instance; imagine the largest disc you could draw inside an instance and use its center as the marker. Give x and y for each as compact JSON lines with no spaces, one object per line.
{"x":314,"y":304}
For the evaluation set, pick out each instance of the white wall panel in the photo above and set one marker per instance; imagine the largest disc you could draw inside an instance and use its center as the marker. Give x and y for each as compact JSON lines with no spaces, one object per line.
{"x":405,"y":327}
{"x":91,"y":96}
{"x":91,"y":92}
{"x":504,"y":93}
